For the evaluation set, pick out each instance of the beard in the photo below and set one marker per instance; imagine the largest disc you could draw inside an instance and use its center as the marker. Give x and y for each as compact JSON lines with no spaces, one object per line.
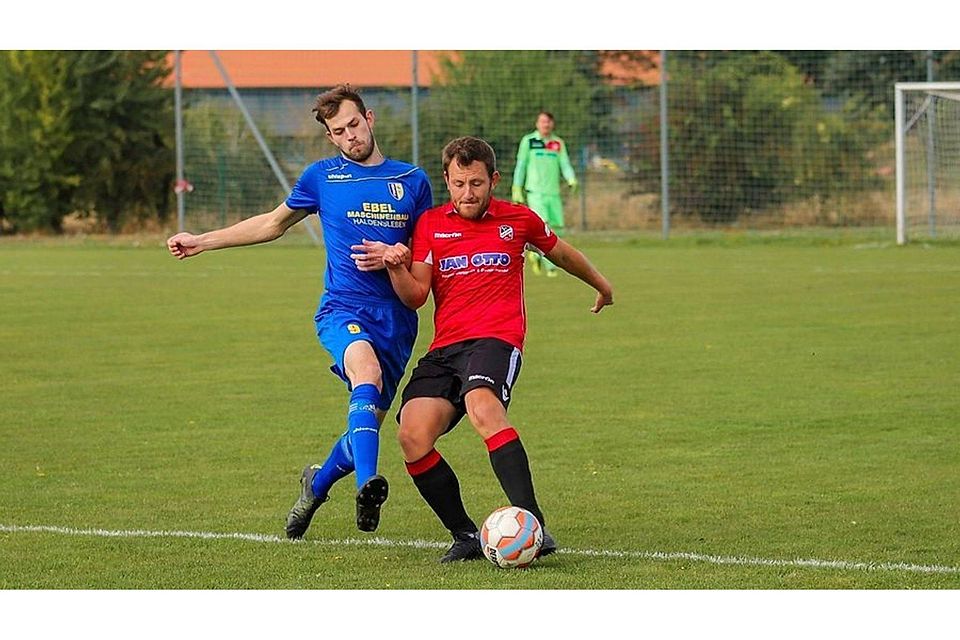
{"x":473,"y":210}
{"x":362,"y":152}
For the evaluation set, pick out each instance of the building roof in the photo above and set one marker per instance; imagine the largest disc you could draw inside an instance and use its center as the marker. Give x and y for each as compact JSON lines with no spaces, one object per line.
{"x":316,"y":69}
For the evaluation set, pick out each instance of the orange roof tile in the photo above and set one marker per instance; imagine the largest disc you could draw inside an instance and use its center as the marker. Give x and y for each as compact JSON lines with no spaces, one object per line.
{"x":322,"y":69}
{"x":312,"y":69}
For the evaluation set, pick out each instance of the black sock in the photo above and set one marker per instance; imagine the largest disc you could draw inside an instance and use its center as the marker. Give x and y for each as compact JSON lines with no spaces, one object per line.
{"x":512,"y":468}
{"x":437,"y":483}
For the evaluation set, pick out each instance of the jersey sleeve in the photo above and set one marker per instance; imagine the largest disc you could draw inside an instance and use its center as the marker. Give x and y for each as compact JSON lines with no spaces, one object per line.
{"x":424,"y":198}
{"x":539,"y":233}
{"x":306,"y":194}
{"x":565,"y":167}
{"x":520,"y":172}
{"x":421,"y":250}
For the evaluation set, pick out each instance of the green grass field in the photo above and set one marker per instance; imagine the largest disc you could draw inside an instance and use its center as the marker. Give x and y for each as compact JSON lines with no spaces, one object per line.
{"x":753,"y":413}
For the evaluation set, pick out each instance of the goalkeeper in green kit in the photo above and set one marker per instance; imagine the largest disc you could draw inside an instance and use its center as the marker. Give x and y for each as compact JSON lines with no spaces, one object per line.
{"x":541,"y":160}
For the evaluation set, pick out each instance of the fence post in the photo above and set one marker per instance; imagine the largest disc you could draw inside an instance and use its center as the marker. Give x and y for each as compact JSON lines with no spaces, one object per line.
{"x":178,"y":127}
{"x":415,"y":111}
{"x":664,"y":148}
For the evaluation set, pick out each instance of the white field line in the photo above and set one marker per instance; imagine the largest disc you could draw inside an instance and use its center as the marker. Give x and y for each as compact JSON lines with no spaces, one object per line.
{"x":844,"y":565}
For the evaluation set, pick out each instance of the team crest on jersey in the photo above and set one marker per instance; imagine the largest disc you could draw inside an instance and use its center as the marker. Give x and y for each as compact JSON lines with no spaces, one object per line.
{"x":506,"y":232}
{"x":396,"y":190}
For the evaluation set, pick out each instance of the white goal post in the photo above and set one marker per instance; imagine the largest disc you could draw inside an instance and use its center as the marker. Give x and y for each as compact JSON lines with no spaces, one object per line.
{"x":927,"y":159}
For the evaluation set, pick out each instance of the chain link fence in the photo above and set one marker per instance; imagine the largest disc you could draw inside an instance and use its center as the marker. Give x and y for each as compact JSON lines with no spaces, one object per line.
{"x":754,"y":139}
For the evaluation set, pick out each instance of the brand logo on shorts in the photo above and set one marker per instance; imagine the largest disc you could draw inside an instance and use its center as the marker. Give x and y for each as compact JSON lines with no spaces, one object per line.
{"x":505,"y":393}
{"x":479,"y":377}
{"x":354,"y":328}
{"x":506,"y":232}
{"x":396,"y":190}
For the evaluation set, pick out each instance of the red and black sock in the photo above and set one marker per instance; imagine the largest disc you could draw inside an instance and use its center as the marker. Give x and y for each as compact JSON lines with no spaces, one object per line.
{"x":438,"y":484}
{"x":512,"y":468}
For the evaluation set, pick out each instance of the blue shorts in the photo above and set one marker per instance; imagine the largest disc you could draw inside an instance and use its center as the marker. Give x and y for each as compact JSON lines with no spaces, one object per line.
{"x":389,"y":327}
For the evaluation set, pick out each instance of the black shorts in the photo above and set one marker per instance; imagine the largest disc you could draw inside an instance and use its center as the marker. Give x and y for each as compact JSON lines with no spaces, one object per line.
{"x":452,"y":371}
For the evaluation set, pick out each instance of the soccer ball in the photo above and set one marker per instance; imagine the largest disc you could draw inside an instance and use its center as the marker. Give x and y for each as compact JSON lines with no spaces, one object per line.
{"x":511,"y":537}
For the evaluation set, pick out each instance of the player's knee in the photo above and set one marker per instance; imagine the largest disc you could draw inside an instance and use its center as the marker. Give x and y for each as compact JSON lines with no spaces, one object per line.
{"x":366,"y":373}
{"x":361,"y":365}
{"x":486,"y":412}
{"x":414,"y":443}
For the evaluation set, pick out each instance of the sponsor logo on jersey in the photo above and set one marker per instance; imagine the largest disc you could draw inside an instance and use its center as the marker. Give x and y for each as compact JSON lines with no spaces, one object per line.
{"x":452,"y":234}
{"x":396,"y":190}
{"x":536,"y":144}
{"x":354,"y":328}
{"x":454,"y":262}
{"x":490,"y":259}
{"x":339,"y":176}
{"x":378,"y":207}
{"x":506,"y":232}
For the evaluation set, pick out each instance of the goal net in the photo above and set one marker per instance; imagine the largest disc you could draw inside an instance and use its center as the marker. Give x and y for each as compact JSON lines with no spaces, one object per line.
{"x":928,"y":160}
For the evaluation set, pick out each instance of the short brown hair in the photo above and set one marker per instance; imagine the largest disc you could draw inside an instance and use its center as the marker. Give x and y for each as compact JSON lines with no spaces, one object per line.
{"x":328,"y":103}
{"x":467,"y":150}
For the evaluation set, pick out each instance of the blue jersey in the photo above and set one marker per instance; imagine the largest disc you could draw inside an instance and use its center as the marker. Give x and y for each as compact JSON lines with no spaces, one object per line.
{"x":357,"y":203}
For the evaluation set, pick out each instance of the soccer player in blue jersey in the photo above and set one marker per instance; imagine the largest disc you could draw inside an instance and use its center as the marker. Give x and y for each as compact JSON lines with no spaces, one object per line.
{"x":366,"y":203}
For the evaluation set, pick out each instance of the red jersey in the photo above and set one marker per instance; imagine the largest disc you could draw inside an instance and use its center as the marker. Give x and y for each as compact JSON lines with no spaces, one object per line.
{"x":478,"y":270}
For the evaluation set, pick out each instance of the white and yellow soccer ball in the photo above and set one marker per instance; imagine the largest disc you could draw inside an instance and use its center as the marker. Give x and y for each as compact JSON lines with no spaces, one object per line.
{"x":511,"y":537}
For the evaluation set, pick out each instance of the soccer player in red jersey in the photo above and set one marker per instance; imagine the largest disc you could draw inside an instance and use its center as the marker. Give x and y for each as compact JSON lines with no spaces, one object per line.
{"x":469,"y":253}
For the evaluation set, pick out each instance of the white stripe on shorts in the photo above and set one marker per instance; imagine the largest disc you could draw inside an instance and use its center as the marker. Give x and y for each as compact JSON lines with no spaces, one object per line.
{"x":512,"y":371}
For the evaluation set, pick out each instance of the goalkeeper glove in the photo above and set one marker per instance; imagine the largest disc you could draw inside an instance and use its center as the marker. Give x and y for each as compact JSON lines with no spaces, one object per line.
{"x":518,"y":193}
{"x":574,"y":186}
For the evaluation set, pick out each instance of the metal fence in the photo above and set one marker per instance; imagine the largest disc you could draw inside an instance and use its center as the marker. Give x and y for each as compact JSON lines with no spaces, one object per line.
{"x":660,"y":141}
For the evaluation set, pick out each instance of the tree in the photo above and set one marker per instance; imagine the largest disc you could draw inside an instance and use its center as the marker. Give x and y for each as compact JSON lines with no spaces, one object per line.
{"x":35,"y":133}
{"x":123,"y":134}
{"x":84,"y":131}
{"x":496,"y":95}
{"x":750,"y":132}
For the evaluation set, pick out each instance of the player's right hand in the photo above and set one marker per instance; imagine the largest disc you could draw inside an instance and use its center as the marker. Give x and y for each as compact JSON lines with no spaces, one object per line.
{"x":517,"y":194}
{"x":604,"y":299}
{"x":183,"y":245}
{"x":396,"y":256}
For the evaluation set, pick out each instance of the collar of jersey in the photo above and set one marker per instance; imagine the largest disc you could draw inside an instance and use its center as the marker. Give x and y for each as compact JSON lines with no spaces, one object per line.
{"x":344,"y":158}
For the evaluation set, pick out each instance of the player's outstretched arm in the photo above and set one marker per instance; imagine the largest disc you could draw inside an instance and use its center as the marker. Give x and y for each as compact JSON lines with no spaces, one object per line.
{"x":254,"y":230}
{"x":575,"y":263}
{"x":410,"y":281}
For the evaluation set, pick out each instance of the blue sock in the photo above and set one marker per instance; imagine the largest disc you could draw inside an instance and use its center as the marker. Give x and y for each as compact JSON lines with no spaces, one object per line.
{"x":339,"y":464}
{"x":364,"y":430}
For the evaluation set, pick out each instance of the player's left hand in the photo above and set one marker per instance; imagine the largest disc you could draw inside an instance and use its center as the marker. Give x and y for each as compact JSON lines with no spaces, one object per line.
{"x":603,"y":300}
{"x":574,"y":187}
{"x":369,"y":255}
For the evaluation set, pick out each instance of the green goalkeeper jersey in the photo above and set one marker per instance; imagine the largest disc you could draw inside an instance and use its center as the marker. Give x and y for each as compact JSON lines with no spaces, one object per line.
{"x":540,"y":163}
